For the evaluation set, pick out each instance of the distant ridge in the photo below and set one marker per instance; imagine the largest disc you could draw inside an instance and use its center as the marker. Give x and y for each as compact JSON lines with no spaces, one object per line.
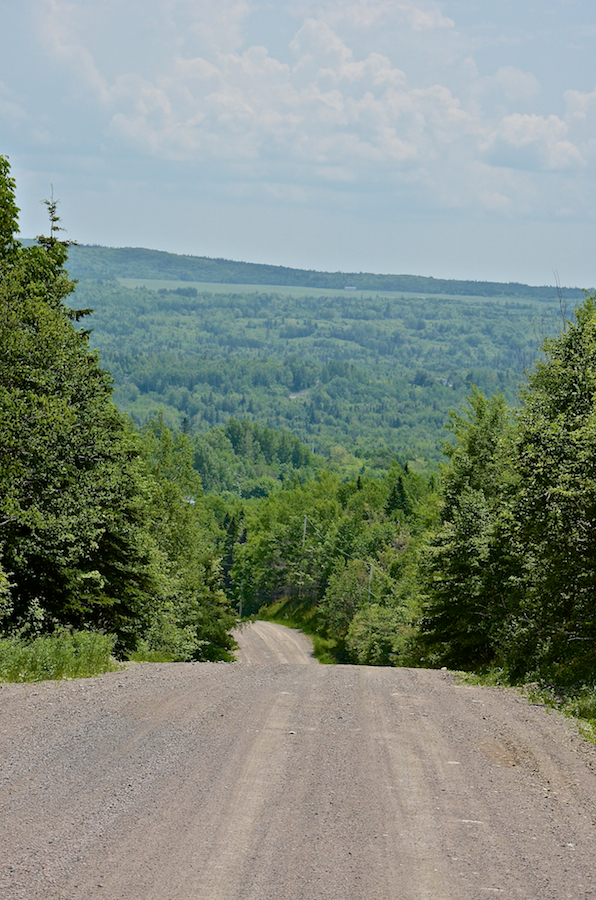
{"x":95,"y":262}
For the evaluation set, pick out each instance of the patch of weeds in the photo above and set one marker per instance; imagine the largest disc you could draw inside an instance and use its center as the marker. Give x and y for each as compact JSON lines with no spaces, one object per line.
{"x":63,"y":654}
{"x":577,"y":702}
{"x":323,"y":649}
{"x":143,"y":654}
{"x":490,"y":677}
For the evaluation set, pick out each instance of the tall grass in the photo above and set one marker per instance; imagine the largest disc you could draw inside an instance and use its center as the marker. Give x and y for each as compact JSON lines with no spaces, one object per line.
{"x":64,"y":654}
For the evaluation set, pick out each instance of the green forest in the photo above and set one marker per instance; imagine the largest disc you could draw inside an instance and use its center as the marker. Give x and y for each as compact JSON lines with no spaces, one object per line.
{"x":284,"y":453}
{"x":365,"y":372}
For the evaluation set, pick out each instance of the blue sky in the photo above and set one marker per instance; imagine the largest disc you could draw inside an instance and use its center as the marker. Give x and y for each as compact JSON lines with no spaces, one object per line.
{"x":455,"y":138}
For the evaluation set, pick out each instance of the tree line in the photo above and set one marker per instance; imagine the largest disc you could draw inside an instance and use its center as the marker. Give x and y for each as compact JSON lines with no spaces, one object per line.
{"x":510,"y":574}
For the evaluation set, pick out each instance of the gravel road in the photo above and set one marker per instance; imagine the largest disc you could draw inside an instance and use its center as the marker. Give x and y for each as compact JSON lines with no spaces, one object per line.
{"x":290,"y":781}
{"x":266,"y":642}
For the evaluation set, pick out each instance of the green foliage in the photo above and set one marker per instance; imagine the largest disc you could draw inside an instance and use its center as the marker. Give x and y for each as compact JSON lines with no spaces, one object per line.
{"x":189,"y":615}
{"x":92,"y":535}
{"x":170,"y":458}
{"x":9,"y":215}
{"x":250,"y":460}
{"x":64,"y":654}
{"x":306,"y":553}
{"x":6,"y":605}
{"x":358,"y":371}
{"x":376,"y":636}
{"x":68,"y":494}
{"x":510,"y":576}
{"x":274,"y":559}
{"x":464,"y":568}
{"x":555,"y":506}
{"x":346,"y":593}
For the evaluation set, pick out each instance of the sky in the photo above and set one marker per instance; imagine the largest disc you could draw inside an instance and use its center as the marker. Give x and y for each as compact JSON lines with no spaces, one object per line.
{"x":454,"y":138}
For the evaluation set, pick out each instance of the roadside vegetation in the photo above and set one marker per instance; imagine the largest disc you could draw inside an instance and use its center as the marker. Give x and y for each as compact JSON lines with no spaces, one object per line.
{"x":63,"y":654}
{"x":102,"y":528}
{"x":576,"y":700}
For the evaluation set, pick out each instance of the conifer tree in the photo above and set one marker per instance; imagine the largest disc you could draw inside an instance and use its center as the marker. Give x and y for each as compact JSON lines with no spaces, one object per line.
{"x":466,"y":566}
{"x":91,"y":533}
{"x":555,"y":506}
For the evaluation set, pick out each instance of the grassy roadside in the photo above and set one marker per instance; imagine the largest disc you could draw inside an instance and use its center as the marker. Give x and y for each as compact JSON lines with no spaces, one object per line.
{"x":578,"y":703}
{"x":64,"y":654}
{"x":305,"y":618}
{"x":575,"y":701}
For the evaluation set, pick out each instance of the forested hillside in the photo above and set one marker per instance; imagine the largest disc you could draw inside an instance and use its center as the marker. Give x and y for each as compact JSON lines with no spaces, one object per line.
{"x":492,"y":565}
{"x":354,"y":370}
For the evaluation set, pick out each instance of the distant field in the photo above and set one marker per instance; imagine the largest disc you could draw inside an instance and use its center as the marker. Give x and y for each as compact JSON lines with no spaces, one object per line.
{"x":156,"y":284}
{"x":140,"y":265}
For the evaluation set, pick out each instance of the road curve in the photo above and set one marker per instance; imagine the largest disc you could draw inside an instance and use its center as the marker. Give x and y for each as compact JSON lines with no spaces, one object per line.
{"x":265,"y":642}
{"x":290,"y":782}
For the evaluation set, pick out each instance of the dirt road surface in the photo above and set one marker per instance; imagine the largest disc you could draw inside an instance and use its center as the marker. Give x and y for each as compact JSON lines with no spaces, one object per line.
{"x":290,"y":781}
{"x":266,"y":642}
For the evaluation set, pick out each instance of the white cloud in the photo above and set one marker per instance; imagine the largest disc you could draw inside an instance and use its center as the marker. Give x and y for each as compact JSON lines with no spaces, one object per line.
{"x":216,"y":25}
{"x":60,"y":31}
{"x":10,"y":109}
{"x":361,"y":98}
{"x":533,"y":142}
{"x":509,"y":84}
{"x":354,"y":13}
{"x":580,"y":106}
{"x":495,"y":202}
{"x":424,"y":17}
{"x":340,"y":115}
{"x":329,"y":108}
{"x":418,"y":14}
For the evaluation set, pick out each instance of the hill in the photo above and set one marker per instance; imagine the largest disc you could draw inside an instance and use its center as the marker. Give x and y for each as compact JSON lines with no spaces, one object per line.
{"x":93,"y":262}
{"x":362,"y":370}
